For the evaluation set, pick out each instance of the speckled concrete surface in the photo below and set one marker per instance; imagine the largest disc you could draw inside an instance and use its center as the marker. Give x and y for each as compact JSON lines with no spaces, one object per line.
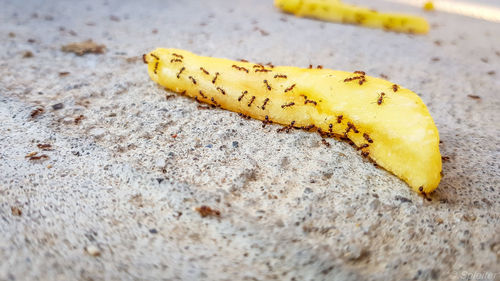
{"x":116,"y":197}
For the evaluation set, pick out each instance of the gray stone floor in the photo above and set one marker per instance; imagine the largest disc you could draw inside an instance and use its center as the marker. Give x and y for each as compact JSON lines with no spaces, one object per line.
{"x":116,"y":197}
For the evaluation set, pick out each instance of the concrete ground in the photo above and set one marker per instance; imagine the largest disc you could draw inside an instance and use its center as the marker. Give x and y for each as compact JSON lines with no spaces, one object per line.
{"x":114,"y":197}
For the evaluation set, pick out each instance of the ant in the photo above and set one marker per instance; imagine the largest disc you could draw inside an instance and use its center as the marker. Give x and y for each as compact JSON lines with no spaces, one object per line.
{"x":309,"y":101}
{"x":267,"y":84}
{"x":156,"y":67}
{"x":221,"y":90}
{"x":78,"y":119}
{"x":242,"y":95}
{"x":381,"y":98}
{"x":251,"y":101}
{"x":265,"y":102}
{"x":353,"y":78}
{"x":351,"y":126}
{"x":266,"y":121}
{"x":44,"y":146}
{"x":308,"y":128}
{"x":215,"y":78}
{"x":288,"y":105}
{"x":287,"y":128}
{"x":213,"y":101}
{"x":395,"y":87}
{"x":367,"y":138}
{"x":290,"y":88}
{"x":178,"y":74}
{"x":325,"y":142}
{"x":38,"y":157}
{"x":421,"y":189}
{"x":240,"y":68}
{"x":363,"y":146}
{"x":202,"y":95}
{"x":204,"y":71}
{"x":36,"y":112}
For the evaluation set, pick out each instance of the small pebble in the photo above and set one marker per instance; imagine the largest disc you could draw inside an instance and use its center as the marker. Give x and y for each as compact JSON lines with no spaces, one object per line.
{"x":98,"y":132}
{"x":93,"y":250}
{"x":160,"y":163}
{"x":57,"y":106}
{"x":375,"y":204}
{"x":27,"y":54}
{"x":235,"y":144}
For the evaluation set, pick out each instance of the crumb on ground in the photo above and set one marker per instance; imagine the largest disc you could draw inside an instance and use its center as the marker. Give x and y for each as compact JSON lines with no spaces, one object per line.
{"x":207,"y":211}
{"x":85,"y":47}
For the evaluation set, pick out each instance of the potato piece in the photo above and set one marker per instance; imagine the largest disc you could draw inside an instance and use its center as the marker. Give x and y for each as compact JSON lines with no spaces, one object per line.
{"x":336,"y":11}
{"x":429,"y":6}
{"x":387,"y":123}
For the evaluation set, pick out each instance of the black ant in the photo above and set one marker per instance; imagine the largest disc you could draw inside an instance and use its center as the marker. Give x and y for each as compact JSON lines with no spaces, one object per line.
{"x":202,"y":95}
{"x":287,"y":128}
{"x":265,"y":102}
{"x":240,"y":68}
{"x":367,"y":138}
{"x":156,"y":67}
{"x":267,"y":85}
{"x":204,"y":71}
{"x":266,"y":121}
{"x":290,"y":88}
{"x":325,"y":142}
{"x":221,"y":90}
{"x":178,"y":74}
{"x":215,"y":78}
{"x":242,"y":95}
{"x":251,"y":101}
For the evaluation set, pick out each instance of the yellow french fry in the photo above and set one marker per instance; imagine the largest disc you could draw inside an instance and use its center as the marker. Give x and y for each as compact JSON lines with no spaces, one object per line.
{"x":336,"y":11}
{"x":386,"y":122}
